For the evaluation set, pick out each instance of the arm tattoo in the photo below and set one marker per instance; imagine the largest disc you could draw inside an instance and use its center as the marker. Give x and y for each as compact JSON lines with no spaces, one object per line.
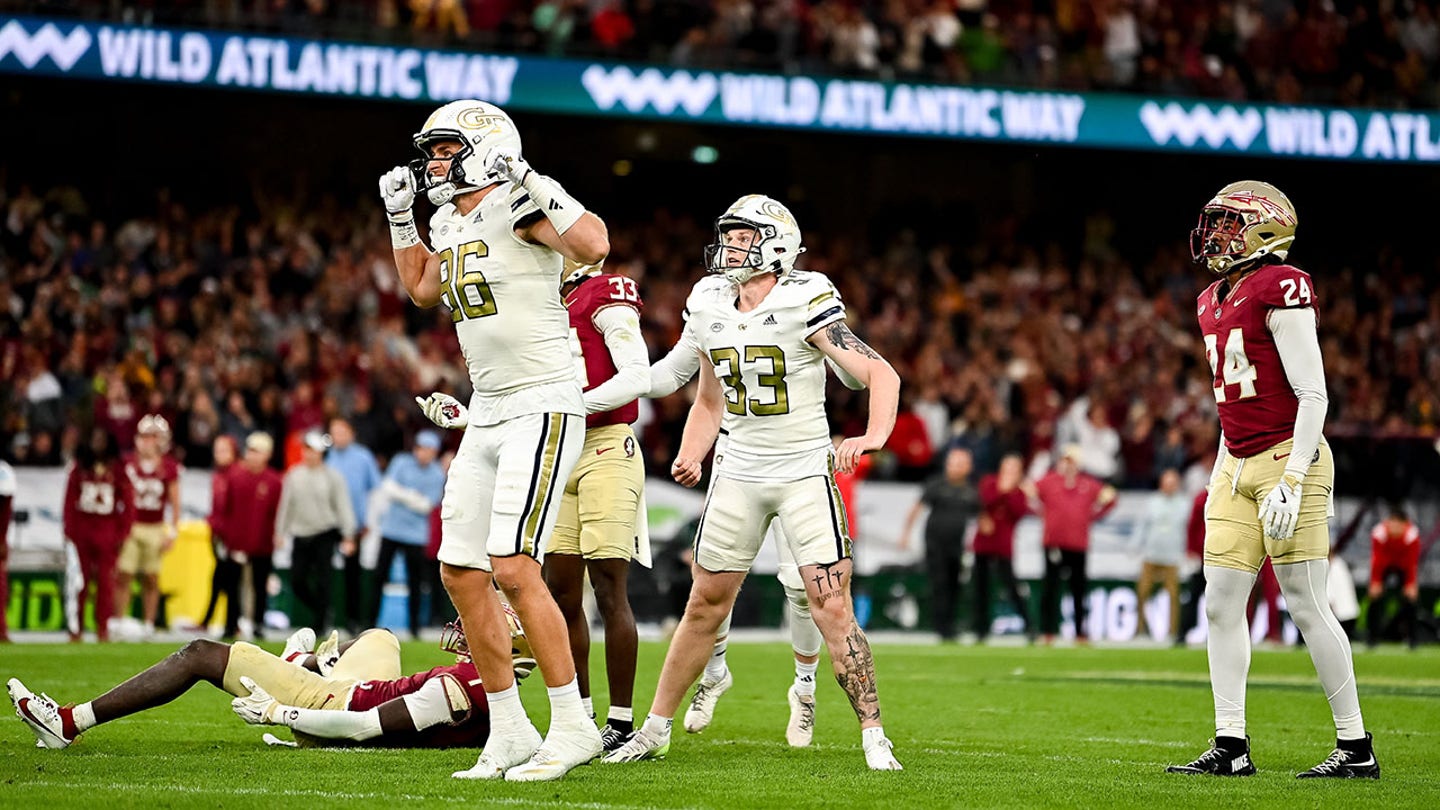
{"x":840,"y":335}
{"x":856,"y":675}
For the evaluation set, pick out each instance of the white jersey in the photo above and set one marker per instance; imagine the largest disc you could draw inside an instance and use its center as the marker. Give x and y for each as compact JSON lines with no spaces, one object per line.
{"x":773,"y":378}
{"x":504,"y":297}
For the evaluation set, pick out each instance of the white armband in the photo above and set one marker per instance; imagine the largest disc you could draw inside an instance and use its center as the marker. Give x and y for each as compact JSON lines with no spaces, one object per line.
{"x":402,"y":230}
{"x":553,"y":201}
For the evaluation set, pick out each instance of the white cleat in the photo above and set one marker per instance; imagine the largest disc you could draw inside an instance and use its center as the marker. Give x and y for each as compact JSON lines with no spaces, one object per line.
{"x":640,"y":746}
{"x":40,"y":713}
{"x":801,"y":730}
{"x":327,"y":655}
{"x":702,"y":705}
{"x":300,"y":644}
{"x":881,"y":756}
{"x":561,"y":752}
{"x":500,"y":755}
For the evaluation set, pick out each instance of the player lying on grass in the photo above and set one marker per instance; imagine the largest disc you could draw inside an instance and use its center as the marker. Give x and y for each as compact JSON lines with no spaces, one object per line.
{"x":339,"y":695}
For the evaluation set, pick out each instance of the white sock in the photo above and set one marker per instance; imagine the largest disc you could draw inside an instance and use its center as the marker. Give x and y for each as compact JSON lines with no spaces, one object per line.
{"x":1304,"y":587}
{"x":715,"y":668}
{"x":589,"y":704}
{"x":870,"y":736}
{"x":624,"y":714}
{"x":1227,"y":592}
{"x":565,"y":705}
{"x":507,"y":713}
{"x":657,"y":726}
{"x":805,"y":678}
{"x":83,"y":716}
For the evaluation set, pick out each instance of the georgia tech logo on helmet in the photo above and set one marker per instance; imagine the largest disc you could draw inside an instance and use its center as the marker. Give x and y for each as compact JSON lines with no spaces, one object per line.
{"x":480,"y":118}
{"x":777,"y":211}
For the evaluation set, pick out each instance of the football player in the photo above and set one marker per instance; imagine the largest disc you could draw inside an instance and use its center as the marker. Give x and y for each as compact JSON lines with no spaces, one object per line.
{"x":340,"y":694}
{"x":667,"y":376}
{"x":99,"y":509}
{"x":155,"y":483}
{"x":764,"y":330}
{"x":600,"y":527}
{"x":501,"y":234}
{"x":1270,"y":490}
{"x":1394,"y":561}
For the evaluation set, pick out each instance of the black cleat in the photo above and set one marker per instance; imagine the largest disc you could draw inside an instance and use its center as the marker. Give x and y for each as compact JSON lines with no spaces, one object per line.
{"x":1351,"y":759}
{"x":1227,"y":756}
{"x":612,"y":738}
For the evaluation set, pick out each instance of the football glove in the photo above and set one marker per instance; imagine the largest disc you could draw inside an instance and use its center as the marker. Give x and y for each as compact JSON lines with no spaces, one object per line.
{"x":257,"y":708}
{"x":1280,"y":510}
{"x":444,"y":410}
{"x":506,"y":163}
{"x":397,"y":189}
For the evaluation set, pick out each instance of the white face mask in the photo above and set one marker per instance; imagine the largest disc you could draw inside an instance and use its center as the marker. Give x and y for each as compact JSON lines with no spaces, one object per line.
{"x":441,"y":194}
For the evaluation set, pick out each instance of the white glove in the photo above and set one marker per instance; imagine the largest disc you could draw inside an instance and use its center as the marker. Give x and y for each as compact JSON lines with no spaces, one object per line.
{"x":444,"y":410}
{"x":257,"y":708}
{"x":1280,"y":510}
{"x":397,"y":189}
{"x":505,"y":163}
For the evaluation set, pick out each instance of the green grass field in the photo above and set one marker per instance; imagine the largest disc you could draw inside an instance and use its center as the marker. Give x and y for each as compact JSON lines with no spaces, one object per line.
{"x":978,"y":727}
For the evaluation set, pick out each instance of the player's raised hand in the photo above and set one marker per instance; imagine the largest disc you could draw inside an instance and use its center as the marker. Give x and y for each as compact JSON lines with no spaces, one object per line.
{"x":506,"y":163}
{"x":257,"y":708}
{"x":397,"y":189}
{"x":1280,"y":510}
{"x":444,"y":410}
{"x":848,"y":454}
{"x":686,"y":471}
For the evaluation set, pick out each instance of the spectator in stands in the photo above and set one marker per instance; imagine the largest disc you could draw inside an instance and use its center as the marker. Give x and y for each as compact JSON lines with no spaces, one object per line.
{"x":98,"y":512}
{"x":448,"y":16}
{"x":316,"y":514}
{"x":1394,"y":566}
{"x":357,"y":465}
{"x":1099,"y":444}
{"x":910,"y":443}
{"x":245,"y":518}
{"x":1163,"y":537}
{"x":953,"y":502}
{"x":412,"y":489}
{"x":1195,"y":557}
{"x":1070,"y":501}
{"x":1004,"y":500}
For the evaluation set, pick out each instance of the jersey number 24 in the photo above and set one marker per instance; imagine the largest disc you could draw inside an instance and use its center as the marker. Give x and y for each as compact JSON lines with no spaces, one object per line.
{"x":1237,"y":370}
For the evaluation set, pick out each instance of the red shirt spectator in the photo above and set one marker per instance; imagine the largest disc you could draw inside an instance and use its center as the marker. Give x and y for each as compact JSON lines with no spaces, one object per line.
{"x":1395,"y":545}
{"x":1072,"y":502}
{"x":910,"y":442}
{"x":250,"y":499}
{"x":1002,"y":510}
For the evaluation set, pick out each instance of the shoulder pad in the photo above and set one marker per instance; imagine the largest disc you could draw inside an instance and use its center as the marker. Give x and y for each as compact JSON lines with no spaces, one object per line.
{"x":1280,"y":286}
{"x":706,"y":292}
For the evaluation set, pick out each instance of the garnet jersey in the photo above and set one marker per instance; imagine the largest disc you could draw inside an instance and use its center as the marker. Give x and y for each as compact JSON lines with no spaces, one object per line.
{"x":1257,"y":405}
{"x":98,"y":505}
{"x":590,"y":296}
{"x":468,"y":733}
{"x":150,"y":484}
{"x":1389,"y":552}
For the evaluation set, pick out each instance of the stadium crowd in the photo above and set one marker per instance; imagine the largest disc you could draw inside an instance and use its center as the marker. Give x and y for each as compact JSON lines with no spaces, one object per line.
{"x":226,"y":325}
{"x":1347,"y":52}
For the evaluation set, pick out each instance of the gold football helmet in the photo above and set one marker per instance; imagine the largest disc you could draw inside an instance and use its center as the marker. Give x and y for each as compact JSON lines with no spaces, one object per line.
{"x":522,"y":658}
{"x":1242,"y":223}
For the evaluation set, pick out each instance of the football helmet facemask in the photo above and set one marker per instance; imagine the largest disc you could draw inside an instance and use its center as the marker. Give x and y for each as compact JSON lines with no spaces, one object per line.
{"x":1242,"y":223}
{"x":478,"y":127}
{"x":774,"y":249}
{"x":522,"y":658}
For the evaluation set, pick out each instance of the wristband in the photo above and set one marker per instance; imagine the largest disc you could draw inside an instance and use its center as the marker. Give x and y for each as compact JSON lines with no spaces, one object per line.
{"x":402,"y":230}
{"x":562,"y":209}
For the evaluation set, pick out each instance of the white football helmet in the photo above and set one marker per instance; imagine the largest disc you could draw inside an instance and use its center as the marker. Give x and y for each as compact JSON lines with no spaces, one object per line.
{"x":479,"y":127}
{"x":776,"y":245}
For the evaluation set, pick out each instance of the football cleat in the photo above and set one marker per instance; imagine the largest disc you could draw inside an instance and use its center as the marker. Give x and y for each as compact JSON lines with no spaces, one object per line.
{"x":562,"y":752}
{"x":327,"y":655}
{"x":1227,"y":757}
{"x":801,"y":729}
{"x":40,"y":713}
{"x":1357,"y":761}
{"x":611,"y":738}
{"x":640,"y":745}
{"x":500,"y":755}
{"x":880,"y":756}
{"x":702,"y":705}
{"x":300,"y":644}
